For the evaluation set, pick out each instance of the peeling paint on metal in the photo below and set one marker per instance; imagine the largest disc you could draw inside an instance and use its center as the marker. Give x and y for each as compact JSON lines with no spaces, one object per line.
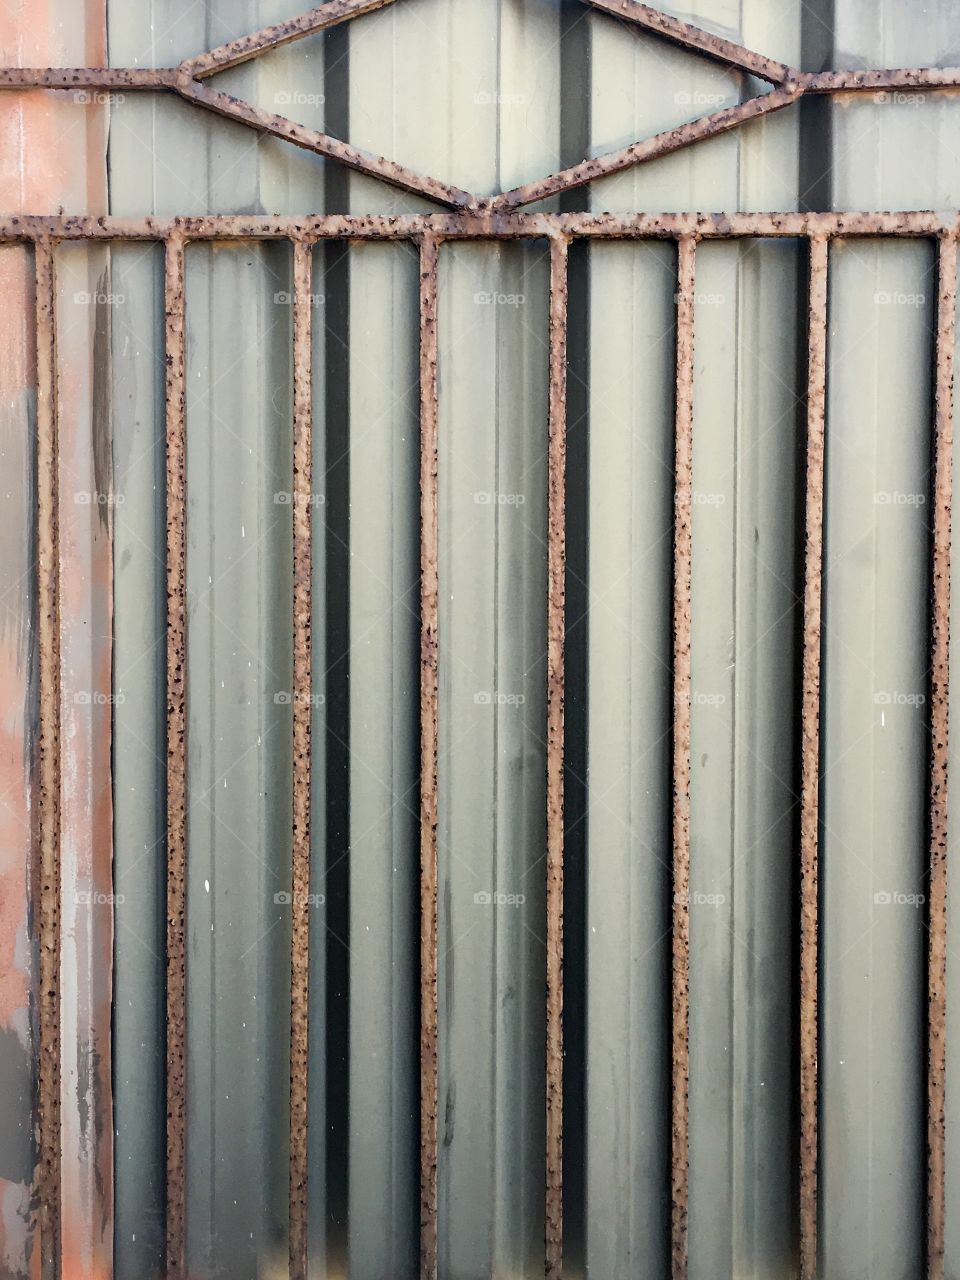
{"x":683,"y":536}
{"x":939,"y":750}
{"x":810,"y":758}
{"x":174,"y":291}
{"x":556,"y":636}
{"x":302,"y":713}
{"x":429,"y":693}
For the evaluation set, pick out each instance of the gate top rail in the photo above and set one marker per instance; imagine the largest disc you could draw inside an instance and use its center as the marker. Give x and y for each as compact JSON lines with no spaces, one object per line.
{"x":468,"y":225}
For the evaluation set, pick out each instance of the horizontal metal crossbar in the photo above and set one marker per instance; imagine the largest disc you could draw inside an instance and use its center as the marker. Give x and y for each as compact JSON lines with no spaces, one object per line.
{"x":479,"y":226}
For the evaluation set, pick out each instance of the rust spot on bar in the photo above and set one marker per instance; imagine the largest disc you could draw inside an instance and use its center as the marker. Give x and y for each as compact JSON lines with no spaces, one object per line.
{"x":868,"y":81}
{"x":88,"y":77}
{"x":247,"y":47}
{"x":810,"y":758}
{"x":478,"y":224}
{"x":429,"y":692}
{"x":690,"y":37}
{"x":176,"y":479}
{"x":939,"y":739}
{"x":302,"y":711}
{"x":48,"y":763}
{"x":683,"y":547}
{"x":556,"y":633}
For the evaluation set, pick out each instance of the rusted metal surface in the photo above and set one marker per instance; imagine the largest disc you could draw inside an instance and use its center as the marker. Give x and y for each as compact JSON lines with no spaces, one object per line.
{"x":682,"y":551}
{"x":869,"y":81}
{"x":810,"y":759}
{"x":688,"y":36}
{"x":939,"y":743}
{"x":174,"y":300}
{"x":49,"y":766}
{"x":302,"y":711}
{"x":105,"y":78}
{"x":477,"y":218}
{"x":482,"y":225}
{"x":247,"y":47}
{"x":429,"y":695}
{"x":556,"y":636}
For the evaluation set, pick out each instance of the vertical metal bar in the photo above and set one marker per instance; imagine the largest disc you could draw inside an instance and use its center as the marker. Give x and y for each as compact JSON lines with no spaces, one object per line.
{"x":176,"y":753}
{"x":810,"y":759}
{"x":429,"y":683}
{"x":556,"y":629}
{"x":48,"y":590}
{"x":302,"y":709}
{"x":939,"y":713}
{"x":682,"y":552}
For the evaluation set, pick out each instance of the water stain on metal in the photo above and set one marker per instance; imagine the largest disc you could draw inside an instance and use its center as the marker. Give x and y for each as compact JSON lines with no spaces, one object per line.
{"x":102,"y":406}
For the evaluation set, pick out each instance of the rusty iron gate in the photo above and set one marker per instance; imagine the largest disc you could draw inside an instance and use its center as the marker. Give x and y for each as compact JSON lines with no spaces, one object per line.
{"x":472,"y":218}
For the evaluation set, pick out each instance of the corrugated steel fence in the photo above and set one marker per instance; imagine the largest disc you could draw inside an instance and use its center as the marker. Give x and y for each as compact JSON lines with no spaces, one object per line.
{"x":475,"y":764}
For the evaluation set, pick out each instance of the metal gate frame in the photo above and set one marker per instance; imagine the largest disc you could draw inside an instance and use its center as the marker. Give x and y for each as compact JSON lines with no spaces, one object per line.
{"x":482,"y":218}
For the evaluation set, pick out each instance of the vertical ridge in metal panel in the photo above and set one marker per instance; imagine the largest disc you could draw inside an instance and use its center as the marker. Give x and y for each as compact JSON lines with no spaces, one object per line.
{"x":683,"y":539}
{"x":939,"y":712}
{"x":810,"y":758}
{"x":176,"y":752}
{"x":48,"y":574}
{"x":429,"y":671}
{"x":556,"y":629}
{"x":302,"y":709}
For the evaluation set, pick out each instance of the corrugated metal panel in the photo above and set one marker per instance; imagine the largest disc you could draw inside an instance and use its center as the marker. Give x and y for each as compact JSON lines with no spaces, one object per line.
{"x":489,"y":96}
